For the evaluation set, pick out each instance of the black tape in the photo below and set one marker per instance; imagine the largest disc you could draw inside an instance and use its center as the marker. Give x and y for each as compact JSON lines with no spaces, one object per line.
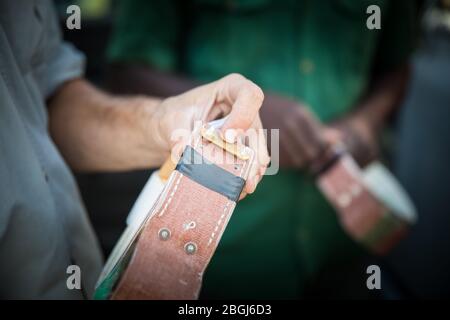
{"x":206,"y":173}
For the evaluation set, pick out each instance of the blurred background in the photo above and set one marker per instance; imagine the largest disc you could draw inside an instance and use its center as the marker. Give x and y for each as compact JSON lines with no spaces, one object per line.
{"x":415,"y":145}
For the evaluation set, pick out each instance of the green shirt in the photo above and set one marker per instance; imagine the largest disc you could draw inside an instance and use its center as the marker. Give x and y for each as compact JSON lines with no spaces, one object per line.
{"x":318,"y":52}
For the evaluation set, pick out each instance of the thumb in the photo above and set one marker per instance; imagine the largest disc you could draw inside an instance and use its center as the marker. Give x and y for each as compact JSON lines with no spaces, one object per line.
{"x":246,"y":99}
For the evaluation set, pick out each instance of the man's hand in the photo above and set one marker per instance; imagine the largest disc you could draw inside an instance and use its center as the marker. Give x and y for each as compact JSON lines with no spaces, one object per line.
{"x":233,"y":96}
{"x":304,"y":141}
{"x":360,"y":129}
{"x":358,"y":136}
{"x":302,"y":136}
{"x":97,"y":132}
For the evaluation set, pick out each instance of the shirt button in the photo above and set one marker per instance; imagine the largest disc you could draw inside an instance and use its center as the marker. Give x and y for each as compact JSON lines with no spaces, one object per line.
{"x":306,"y":66}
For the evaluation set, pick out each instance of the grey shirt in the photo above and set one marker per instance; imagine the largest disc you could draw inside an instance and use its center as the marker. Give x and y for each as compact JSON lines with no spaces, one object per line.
{"x":43,"y":224}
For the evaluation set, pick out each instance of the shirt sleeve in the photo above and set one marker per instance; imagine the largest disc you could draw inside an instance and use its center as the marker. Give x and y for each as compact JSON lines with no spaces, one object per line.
{"x":146,"y":31}
{"x":398,"y":34}
{"x":62,"y":62}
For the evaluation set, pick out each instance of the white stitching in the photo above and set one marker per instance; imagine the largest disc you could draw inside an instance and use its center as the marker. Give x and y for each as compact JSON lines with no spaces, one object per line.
{"x":211,"y":238}
{"x":184,"y":283}
{"x":219,"y":222}
{"x":171,"y":196}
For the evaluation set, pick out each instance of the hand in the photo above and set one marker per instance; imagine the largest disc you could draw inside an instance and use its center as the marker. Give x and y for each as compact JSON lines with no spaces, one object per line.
{"x":358,"y":136}
{"x":302,"y":137}
{"x":232,"y":95}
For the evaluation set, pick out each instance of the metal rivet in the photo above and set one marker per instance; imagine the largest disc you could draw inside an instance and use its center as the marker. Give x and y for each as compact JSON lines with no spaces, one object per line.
{"x":190,"y":248}
{"x":164,"y":234}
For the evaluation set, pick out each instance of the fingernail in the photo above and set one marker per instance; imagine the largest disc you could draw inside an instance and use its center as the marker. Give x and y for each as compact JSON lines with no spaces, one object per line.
{"x":230,"y":136}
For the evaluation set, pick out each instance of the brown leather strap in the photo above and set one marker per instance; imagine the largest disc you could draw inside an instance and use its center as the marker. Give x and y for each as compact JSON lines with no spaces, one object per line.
{"x":363,"y":217}
{"x":178,"y":241}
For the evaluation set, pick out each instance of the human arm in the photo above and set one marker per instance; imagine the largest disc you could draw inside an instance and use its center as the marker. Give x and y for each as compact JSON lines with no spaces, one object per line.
{"x":97,"y":131}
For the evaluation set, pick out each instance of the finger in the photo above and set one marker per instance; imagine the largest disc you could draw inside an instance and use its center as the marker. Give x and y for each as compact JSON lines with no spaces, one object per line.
{"x":307,"y":132}
{"x":292,"y":148}
{"x":262,"y":151}
{"x":251,"y":184}
{"x":245,"y":98}
{"x":243,"y":195}
{"x":333,"y":136}
{"x":257,"y":142}
{"x":294,"y":144}
{"x":177,"y":150}
{"x":216,"y":112}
